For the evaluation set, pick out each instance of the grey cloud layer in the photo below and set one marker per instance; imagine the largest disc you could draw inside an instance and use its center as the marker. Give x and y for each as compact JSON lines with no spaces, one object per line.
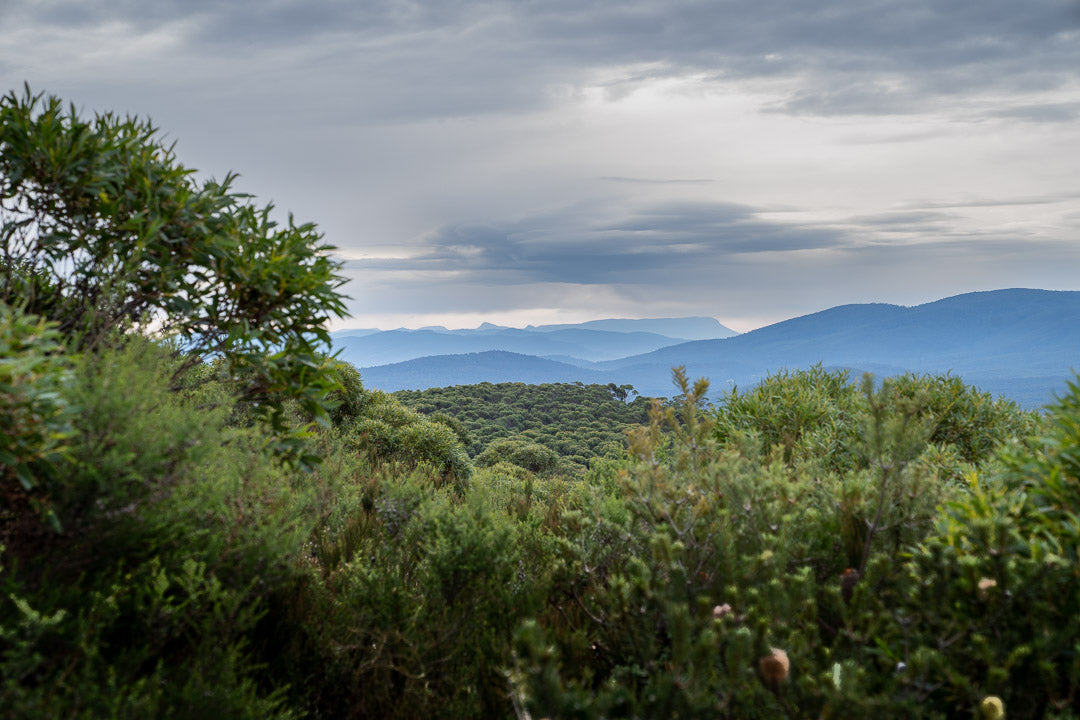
{"x":688,"y":245}
{"x":719,"y":259}
{"x":586,"y":245}
{"x":449,"y":129}
{"x":406,"y":59}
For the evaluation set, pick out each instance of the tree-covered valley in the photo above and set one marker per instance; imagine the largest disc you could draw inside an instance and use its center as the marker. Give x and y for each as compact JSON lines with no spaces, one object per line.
{"x":578,"y":423}
{"x":204,"y":514}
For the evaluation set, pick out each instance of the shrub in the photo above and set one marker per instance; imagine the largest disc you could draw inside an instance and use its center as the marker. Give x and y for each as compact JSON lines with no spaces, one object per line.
{"x":992,"y":594}
{"x":35,"y":418}
{"x":388,"y":431}
{"x":678,"y":588}
{"x":102,"y":229}
{"x":175,"y":530}
{"x":530,"y":456}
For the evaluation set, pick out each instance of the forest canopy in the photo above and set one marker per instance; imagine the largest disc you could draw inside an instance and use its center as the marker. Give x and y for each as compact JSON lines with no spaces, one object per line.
{"x":577,"y":422}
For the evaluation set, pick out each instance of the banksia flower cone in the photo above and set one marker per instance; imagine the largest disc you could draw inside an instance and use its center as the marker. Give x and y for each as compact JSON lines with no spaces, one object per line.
{"x":848,"y":580}
{"x":992,"y":708}
{"x":774,"y":668}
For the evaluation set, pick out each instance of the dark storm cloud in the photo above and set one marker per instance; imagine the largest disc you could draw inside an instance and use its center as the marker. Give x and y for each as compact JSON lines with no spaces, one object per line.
{"x":588,"y":246}
{"x":849,"y":260}
{"x":694,"y":244}
{"x":384,"y":119}
{"x":439,"y":58}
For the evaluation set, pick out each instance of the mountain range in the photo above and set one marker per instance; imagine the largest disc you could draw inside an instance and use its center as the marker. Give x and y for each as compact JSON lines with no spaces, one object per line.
{"x":1020,"y":343}
{"x":584,"y":342}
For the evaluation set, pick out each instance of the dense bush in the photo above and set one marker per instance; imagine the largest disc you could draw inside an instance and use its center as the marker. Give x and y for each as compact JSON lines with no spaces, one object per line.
{"x":174,"y":526}
{"x":197,"y":575}
{"x":725,"y":580}
{"x":102,"y":229}
{"x":387,"y":430}
{"x":578,"y":422}
{"x":35,"y":418}
{"x":1001,"y":573}
{"x":815,"y":414}
{"x":530,"y":456}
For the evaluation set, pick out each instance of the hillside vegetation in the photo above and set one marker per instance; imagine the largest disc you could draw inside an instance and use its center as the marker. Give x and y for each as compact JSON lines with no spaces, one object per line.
{"x":987,"y":338}
{"x":241,"y":529}
{"x":578,"y":422}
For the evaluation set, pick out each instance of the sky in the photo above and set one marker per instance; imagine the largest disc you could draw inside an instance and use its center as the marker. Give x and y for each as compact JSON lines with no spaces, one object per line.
{"x":565,"y":160}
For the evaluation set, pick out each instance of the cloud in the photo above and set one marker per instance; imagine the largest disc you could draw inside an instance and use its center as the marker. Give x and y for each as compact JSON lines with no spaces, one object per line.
{"x":597,"y":243}
{"x":408,"y":59}
{"x":656,"y":181}
{"x":612,"y":156}
{"x":725,"y":259}
{"x":979,"y":202}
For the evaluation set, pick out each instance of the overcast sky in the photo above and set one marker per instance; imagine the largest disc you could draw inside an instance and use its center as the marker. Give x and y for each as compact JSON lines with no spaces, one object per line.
{"x":563,"y":160}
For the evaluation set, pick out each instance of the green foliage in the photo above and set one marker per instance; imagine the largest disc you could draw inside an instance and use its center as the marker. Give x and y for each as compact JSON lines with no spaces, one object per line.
{"x":578,"y":422}
{"x":732,"y":549}
{"x":175,"y":529}
{"x":817,"y":416}
{"x":389,"y":431}
{"x":148,"y":643}
{"x":1000,"y":574}
{"x":418,"y":595}
{"x":195,"y":575}
{"x":348,"y":400}
{"x":807,"y":413}
{"x":101,"y":228}
{"x":530,"y":456}
{"x":971,"y":421}
{"x":35,"y":419}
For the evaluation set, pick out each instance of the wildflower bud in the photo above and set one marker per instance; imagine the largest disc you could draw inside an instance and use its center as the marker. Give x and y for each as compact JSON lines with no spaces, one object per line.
{"x":992,"y":708}
{"x":721,"y":611}
{"x":848,"y":580}
{"x":774,"y":667}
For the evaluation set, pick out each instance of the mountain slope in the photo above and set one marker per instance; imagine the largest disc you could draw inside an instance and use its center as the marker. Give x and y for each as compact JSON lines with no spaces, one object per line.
{"x":393,"y":346}
{"x":998,"y":335}
{"x":1020,"y":343}
{"x":494,"y":366}
{"x":688,"y":328}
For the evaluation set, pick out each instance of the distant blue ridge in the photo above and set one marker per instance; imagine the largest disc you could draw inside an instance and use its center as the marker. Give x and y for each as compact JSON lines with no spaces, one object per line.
{"x":1020,"y":343}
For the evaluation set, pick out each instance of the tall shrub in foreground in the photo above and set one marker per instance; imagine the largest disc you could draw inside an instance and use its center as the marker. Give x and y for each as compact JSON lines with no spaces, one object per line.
{"x":102,"y":228}
{"x":731,"y":574}
{"x":175,"y":530}
{"x":993,"y":595}
{"x":35,"y":417}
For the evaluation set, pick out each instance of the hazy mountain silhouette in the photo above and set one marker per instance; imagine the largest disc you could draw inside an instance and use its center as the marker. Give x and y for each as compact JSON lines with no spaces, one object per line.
{"x":579,"y":342}
{"x":493,"y":366}
{"x":688,"y":328}
{"x":1020,"y":343}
